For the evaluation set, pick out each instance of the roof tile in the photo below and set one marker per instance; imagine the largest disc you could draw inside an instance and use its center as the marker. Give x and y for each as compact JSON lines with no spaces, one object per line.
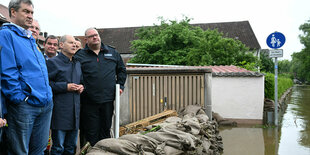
{"x":219,"y":71}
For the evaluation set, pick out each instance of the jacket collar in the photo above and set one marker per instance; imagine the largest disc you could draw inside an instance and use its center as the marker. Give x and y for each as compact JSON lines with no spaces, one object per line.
{"x":18,"y":29}
{"x":64,"y":58}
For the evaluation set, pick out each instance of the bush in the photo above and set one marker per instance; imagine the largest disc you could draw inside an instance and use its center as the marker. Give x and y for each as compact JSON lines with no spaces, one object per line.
{"x":284,"y":83}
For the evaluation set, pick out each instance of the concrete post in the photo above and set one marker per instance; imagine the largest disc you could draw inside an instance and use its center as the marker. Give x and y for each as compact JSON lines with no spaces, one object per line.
{"x":208,"y":94}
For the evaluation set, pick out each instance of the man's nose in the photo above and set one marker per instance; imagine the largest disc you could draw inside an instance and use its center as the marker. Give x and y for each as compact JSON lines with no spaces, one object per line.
{"x":30,"y":16}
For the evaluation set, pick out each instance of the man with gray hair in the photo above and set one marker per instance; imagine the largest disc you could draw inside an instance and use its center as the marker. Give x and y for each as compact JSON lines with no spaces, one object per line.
{"x":24,"y":83}
{"x":35,"y":29}
{"x":65,"y":77}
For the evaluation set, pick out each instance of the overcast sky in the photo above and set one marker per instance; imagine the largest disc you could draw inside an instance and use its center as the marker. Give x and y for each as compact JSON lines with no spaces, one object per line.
{"x":59,"y":17}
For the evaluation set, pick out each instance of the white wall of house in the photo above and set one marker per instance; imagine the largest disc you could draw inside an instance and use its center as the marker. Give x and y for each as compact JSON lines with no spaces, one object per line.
{"x":238,"y":97}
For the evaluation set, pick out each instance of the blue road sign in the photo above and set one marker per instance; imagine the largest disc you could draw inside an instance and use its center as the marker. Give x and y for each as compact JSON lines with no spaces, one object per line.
{"x":275,"y":40}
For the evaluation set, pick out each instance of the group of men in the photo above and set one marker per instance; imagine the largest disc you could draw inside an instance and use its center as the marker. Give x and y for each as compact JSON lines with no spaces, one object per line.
{"x":46,"y":91}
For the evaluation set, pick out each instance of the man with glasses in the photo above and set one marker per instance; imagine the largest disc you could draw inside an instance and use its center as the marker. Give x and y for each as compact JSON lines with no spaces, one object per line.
{"x":102,"y":68}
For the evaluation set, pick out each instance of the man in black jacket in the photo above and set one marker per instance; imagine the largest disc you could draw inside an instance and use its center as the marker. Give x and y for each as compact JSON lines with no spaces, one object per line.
{"x":102,"y":68}
{"x":65,"y":77}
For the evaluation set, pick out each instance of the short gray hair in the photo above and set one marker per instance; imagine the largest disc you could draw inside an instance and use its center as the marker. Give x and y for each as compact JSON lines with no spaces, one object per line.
{"x":91,"y":28}
{"x":63,"y":39}
{"x":38,"y":24}
{"x":15,"y":4}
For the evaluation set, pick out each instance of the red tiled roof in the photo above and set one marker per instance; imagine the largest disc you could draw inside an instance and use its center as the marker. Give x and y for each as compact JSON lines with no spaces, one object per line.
{"x":4,"y":13}
{"x":228,"y":71}
{"x":232,"y":71}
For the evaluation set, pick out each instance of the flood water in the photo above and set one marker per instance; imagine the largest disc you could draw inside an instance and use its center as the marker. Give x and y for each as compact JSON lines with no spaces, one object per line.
{"x":291,"y":137}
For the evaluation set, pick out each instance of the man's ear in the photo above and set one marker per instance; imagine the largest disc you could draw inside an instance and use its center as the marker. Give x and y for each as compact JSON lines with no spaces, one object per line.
{"x":61,"y":44}
{"x":13,"y":12}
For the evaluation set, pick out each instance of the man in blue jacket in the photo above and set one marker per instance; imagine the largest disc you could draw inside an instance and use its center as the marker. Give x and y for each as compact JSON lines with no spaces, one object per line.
{"x":65,"y":79}
{"x":24,"y":83}
{"x":3,"y":146}
{"x":102,"y":68}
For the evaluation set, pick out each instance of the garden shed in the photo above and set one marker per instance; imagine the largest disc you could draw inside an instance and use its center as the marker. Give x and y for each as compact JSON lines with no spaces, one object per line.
{"x":234,"y":93}
{"x":238,"y":94}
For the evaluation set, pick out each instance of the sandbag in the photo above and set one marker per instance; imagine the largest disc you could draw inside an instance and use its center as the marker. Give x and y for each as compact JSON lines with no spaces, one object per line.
{"x":147,"y":143}
{"x":192,"y":134}
{"x":98,"y":151}
{"x":191,"y":110}
{"x":202,"y":118}
{"x":175,"y":138}
{"x":171,"y":150}
{"x":119,"y":146}
{"x":173,"y":119}
{"x":217,"y":117}
{"x":192,"y":124}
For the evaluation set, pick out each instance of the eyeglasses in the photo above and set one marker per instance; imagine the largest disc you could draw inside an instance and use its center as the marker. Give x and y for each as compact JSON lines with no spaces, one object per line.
{"x":92,"y":36}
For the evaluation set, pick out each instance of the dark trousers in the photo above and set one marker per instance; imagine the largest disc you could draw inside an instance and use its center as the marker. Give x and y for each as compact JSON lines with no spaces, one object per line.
{"x":64,"y":142}
{"x":97,"y":121}
{"x":3,"y":142}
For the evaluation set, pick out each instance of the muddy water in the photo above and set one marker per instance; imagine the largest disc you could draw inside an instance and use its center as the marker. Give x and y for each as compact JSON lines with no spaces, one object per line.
{"x":291,"y":137}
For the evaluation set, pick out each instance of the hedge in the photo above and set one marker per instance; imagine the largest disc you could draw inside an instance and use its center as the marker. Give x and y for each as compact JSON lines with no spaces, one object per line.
{"x":284,"y":83}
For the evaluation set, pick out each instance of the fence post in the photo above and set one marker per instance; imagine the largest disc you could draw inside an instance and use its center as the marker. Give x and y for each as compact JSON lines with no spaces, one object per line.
{"x":117,"y":99}
{"x":208,"y":94}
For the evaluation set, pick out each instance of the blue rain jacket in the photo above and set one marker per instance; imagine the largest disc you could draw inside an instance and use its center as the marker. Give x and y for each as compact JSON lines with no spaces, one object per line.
{"x":24,"y":72}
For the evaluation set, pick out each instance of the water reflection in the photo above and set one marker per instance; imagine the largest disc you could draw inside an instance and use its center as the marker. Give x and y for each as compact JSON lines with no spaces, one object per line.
{"x":291,"y":137}
{"x":245,"y":140}
{"x":295,"y":125}
{"x":303,"y":112}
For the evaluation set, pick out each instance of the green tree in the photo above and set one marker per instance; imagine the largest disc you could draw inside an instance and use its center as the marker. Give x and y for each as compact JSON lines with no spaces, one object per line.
{"x":301,"y":60}
{"x":179,"y":43}
{"x":284,"y":66}
{"x":267,"y":65}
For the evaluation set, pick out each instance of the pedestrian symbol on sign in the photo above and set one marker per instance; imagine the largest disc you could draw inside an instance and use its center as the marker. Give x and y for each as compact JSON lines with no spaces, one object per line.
{"x":275,"y":40}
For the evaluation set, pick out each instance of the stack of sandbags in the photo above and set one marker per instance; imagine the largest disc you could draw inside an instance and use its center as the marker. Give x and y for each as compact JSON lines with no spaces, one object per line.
{"x":190,"y":133}
{"x":222,"y":121}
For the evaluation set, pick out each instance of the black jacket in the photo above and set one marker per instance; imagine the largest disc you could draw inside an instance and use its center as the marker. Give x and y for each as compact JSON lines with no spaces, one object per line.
{"x":101,"y":73}
{"x":66,"y":111}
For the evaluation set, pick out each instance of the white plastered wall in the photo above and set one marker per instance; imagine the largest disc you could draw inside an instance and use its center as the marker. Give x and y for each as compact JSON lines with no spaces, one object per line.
{"x":238,"y":97}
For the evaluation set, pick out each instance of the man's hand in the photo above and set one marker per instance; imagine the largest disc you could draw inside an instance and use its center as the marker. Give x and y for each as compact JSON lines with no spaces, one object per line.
{"x":80,"y":88}
{"x":72,"y":87}
{"x":120,"y":91}
{"x":2,"y":122}
{"x":75,"y":87}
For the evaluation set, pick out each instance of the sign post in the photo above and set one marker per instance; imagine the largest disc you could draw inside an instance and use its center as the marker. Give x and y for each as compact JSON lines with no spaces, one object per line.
{"x":275,"y":41}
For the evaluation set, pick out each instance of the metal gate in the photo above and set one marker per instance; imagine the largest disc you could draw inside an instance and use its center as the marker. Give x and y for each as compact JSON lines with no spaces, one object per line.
{"x":152,"y":94}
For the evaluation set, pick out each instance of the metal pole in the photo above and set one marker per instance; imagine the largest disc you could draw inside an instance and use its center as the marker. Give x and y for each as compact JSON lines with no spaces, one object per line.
{"x":208,"y":94}
{"x":276,"y":92}
{"x":116,"y":124}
